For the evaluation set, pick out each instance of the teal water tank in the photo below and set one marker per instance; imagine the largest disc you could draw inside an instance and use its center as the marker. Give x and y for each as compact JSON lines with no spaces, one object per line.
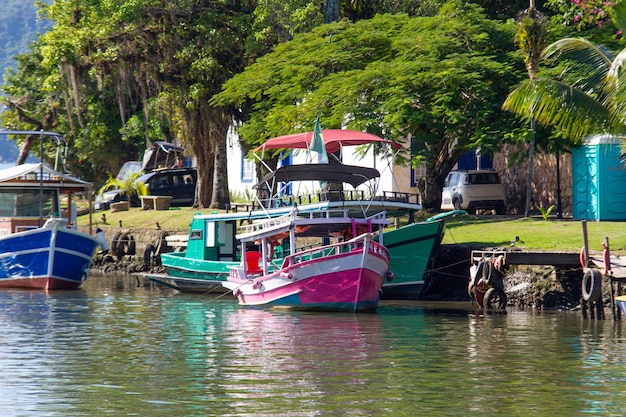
{"x":599,"y":179}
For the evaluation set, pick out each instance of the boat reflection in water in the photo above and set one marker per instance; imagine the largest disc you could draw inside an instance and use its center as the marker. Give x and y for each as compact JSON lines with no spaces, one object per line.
{"x":311,"y":352}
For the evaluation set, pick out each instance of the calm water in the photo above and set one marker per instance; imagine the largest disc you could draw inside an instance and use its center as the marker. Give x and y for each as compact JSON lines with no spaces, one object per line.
{"x":117,"y":348}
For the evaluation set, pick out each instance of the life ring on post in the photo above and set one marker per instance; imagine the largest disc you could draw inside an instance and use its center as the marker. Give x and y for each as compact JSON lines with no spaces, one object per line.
{"x":581,"y":258}
{"x":592,"y":285}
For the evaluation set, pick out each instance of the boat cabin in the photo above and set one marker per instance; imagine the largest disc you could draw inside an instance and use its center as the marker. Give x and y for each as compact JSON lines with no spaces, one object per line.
{"x":212,"y":239}
{"x":31,"y":193}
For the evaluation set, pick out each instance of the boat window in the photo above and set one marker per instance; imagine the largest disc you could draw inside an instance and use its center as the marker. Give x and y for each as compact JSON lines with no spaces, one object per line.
{"x":25,"y":203}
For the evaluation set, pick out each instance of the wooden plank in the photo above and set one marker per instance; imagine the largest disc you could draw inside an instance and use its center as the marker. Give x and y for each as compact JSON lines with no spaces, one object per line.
{"x":518,"y":257}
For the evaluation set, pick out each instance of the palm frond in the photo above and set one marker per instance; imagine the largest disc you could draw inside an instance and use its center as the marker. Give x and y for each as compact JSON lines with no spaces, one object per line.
{"x":592,"y":60}
{"x":553,"y":103}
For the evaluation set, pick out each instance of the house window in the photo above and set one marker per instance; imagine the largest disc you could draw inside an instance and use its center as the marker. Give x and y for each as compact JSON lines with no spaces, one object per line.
{"x":417,"y":173}
{"x":247,"y":169}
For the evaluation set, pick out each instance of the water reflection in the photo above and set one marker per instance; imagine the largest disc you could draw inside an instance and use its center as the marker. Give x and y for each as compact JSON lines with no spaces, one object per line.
{"x":32,"y":324}
{"x":121,"y":348}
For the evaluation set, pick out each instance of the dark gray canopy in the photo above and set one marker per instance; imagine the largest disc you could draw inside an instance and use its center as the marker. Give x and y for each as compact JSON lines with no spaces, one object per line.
{"x":349,"y":174}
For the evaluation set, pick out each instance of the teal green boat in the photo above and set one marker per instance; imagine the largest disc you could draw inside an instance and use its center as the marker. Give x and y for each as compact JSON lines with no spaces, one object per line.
{"x":212,"y":249}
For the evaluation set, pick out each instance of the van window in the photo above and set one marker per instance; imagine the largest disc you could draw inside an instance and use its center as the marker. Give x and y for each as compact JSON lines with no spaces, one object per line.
{"x":160,"y":182}
{"x":451,"y":180}
{"x":484,"y":178}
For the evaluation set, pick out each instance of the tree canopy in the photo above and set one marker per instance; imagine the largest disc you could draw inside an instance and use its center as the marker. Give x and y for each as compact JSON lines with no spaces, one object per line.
{"x":585,"y":96}
{"x":113,"y":75}
{"x":438,"y":81}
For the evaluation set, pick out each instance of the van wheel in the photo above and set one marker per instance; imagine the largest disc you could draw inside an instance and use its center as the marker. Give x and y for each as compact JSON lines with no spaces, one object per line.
{"x":457,"y":205}
{"x":501,"y":210}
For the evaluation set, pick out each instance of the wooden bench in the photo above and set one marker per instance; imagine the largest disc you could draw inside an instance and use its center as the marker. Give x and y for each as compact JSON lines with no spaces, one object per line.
{"x":178,"y":242}
{"x":155,"y":202}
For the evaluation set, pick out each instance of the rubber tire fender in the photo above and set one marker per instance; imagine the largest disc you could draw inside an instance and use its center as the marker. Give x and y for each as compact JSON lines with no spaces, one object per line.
{"x":115,"y":242}
{"x":488,"y":272}
{"x":495,"y":298}
{"x":592,"y":285}
{"x":132,"y":248}
{"x":125,"y":245}
{"x":148,"y":253}
{"x":160,"y":244}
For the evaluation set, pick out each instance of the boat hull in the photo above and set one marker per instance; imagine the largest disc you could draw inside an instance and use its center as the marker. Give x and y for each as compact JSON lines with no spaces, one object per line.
{"x":48,"y":258}
{"x":411,"y":249}
{"x":202,"y":285}
{"x":193,"y":275}
{"x":349,"y":282}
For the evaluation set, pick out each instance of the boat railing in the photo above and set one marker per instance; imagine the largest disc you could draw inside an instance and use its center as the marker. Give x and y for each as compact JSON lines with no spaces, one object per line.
{"x":320,"y":196}
{"x":398,"y":197}
{"x":266,"y":224}
{"x":355,"y":244}
{"x":341,"y":214}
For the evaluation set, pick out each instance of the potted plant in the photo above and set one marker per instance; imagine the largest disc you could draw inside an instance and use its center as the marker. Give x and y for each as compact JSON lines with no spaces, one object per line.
{"x":126,"y":187}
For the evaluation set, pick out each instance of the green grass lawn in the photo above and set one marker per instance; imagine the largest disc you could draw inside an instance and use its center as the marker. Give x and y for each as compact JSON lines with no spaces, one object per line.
{"x":534,"y":233}
{"x":489,"y":231}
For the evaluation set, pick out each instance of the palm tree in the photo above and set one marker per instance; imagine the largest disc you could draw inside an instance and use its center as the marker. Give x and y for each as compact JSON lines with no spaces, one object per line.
{"x":532,"y":39}
{"x":128,"y":186}
{"x":579,"y":101}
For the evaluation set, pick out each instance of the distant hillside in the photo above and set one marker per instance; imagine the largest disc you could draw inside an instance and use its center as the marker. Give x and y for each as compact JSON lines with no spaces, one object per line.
{"x":18,"y":27}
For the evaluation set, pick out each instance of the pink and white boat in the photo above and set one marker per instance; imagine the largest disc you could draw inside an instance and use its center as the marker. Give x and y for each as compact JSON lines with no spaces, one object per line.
{"x":344,"y":275}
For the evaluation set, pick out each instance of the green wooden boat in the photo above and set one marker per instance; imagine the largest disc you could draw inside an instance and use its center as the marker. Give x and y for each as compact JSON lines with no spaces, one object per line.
{"x":212,"y":251}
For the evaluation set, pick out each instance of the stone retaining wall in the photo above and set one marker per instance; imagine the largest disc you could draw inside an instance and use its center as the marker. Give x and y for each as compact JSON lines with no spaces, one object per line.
{"x":142,"y":237}
{"x":514,"y":176}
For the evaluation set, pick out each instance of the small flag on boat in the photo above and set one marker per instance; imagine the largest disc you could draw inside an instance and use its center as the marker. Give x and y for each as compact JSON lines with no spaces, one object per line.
{"x":317,"y":143}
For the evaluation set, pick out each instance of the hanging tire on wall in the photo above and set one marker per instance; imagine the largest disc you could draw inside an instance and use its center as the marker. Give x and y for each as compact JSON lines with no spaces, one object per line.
{"x":123,"y":244}
{"x":592,"y":285}
{"x":148,"y":253}
{"x":495,"y":298}
{"x":114,"y":240}
{"x":160,"y":244}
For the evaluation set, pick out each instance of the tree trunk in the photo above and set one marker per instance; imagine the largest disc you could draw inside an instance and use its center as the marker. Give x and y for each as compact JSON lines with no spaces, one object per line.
{"x":331,"y":11}
{"x":220,"y":196}
{"x":430,"y":191}
{"x":198,"y":133}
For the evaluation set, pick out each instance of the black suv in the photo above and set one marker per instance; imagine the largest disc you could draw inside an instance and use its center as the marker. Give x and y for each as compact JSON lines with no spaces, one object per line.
{"x":178,"y":183}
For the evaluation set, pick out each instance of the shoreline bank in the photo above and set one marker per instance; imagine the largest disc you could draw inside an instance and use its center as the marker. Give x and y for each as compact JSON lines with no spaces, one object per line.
{"x":545,"y":287}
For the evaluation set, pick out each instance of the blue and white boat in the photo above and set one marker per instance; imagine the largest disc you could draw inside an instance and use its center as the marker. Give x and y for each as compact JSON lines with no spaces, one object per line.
{"x":49,"y":257}
{"x":38,"y":247}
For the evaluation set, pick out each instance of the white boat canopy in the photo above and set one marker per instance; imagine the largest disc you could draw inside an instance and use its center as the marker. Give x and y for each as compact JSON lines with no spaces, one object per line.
{"x":36,"y":174}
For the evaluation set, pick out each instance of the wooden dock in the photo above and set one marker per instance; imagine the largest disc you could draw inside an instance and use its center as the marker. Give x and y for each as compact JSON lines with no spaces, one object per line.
{"x":523,"y":257}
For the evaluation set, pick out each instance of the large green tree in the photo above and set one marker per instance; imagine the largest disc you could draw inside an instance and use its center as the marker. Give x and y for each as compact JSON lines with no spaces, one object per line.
{"x":439,"y":80}
{"x":118,"y":69}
